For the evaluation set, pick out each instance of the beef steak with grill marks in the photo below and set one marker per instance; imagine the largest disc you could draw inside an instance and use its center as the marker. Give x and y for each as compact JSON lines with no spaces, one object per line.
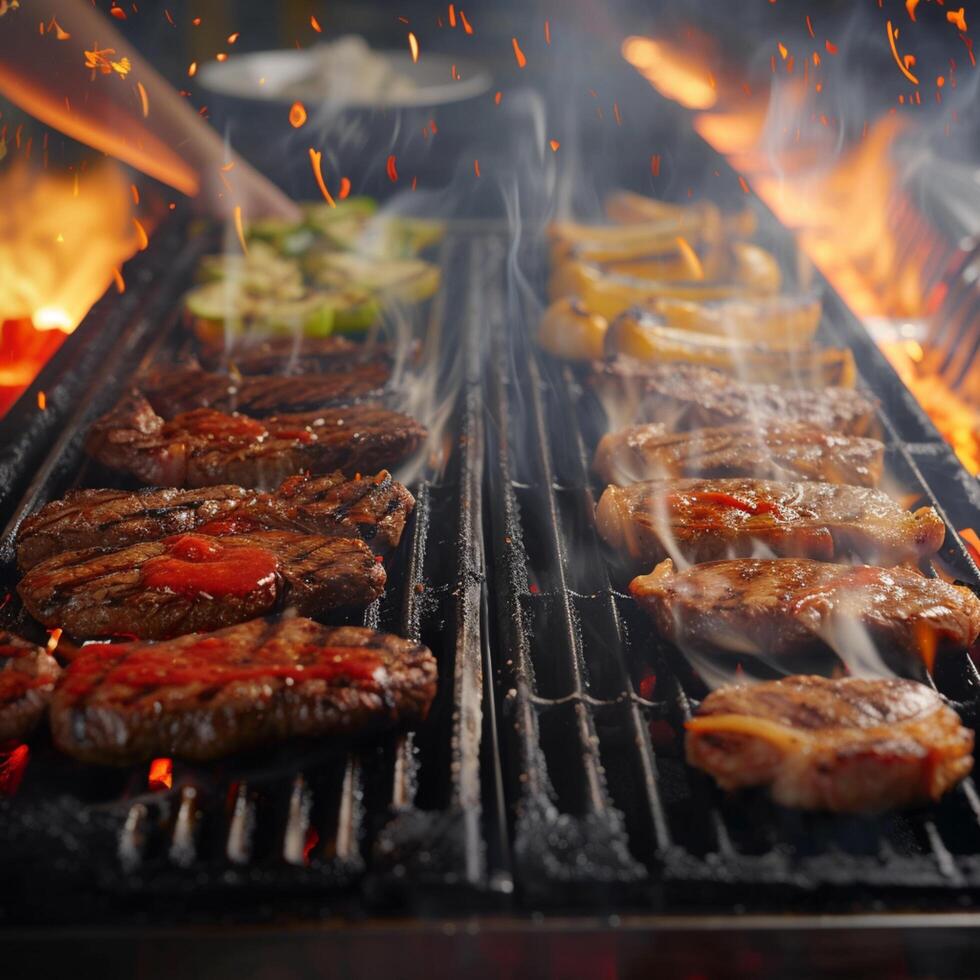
{"x":205,"y":696}
{"x":374,"y":508}
{"x":27,"y":678}
{"x":206,"y":447}
{"x":193,"y":582}
{"x":177,"y":390}
{"x":846,"y":745}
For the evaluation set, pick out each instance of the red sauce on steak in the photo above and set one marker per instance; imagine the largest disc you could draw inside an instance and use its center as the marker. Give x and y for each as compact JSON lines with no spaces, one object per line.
{"x":196,"y":564}
{"x":206,"y":663}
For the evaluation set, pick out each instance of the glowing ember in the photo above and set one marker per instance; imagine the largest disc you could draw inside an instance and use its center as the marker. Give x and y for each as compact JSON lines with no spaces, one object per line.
{"x":161,"y":774}
{"x":413,"y":46}
{"x":192,"y":69}
{"x":476,"y":167}
{"x":554,"y":144}
{"x":13,"y":765}
{"x":344,"y":188}
{"x":54,"y":638}
{"x":315,"y":24}
{"x":957,"y":18}
{"x":42,"y":400}
{"x":391,"y":166}
{"x":315,"y":162}
{"x":297,"y":115}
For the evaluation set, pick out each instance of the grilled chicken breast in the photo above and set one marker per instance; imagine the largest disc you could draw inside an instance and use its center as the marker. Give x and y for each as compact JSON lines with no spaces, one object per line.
{"x":687,"y":396}
{"x":27,"y":678}
{"x":177,"y":390}
{"x":205,"y":696}
{"x":206,"y":447}
{"x":848,"y":745}
{"x":703,"y":520}
{"x":779,"y":451}
{"x":374,"y":508}
{"x":191,"y":582}
{"x":785,"y":606}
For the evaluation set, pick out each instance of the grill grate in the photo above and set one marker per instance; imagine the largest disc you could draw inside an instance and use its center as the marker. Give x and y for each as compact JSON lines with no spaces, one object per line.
{"x":553,"y":760}
{"x":595,"y":703}
{"x":380,"y":822}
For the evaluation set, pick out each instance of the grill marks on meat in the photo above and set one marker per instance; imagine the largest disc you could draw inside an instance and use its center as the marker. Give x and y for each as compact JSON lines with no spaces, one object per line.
{"x":110,"y":519}
{"x":27,"y":678}
{"x":188,"y":583}
{"x":790,"y":451}
{"x":207,"y":447}
{"x":702,"y":520}
{"x":787,"y":606}
{"x":295,"y":355}
{"x":179,"y":390}
{"x":202,"y":697}
{"x":848,"y":745}
{"x":687,"y":396}
{"x":374,"y":508}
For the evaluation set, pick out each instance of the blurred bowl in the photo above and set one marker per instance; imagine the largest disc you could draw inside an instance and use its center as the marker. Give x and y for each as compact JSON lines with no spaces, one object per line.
{"x":357,"y":123}
{"x":294,"y":75}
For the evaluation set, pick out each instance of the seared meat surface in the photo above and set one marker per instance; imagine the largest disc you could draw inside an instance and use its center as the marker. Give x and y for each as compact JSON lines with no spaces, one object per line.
{"x":177,"y":390}
{"x":27,"y":677}
{"x":206,"y":447}
{"x":778,"y":451}
{"x":785,"y":606}
{"x":206,"y":696}
{"x":703,"y":520}
{"x":294,"y":355}
{"x":192,"y":582}
{"x":687,"y":396}
{"x":374,"y":508}
{"x":848,"y":745}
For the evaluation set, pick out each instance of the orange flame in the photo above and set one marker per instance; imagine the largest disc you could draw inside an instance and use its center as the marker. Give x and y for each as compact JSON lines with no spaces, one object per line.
{"x":672,"y":74}
{"x":841,"y":216}
{"x":297,"y":115}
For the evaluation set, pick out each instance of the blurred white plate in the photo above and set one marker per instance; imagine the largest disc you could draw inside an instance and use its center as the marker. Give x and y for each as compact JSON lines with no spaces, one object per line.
{"x":294,"y":75}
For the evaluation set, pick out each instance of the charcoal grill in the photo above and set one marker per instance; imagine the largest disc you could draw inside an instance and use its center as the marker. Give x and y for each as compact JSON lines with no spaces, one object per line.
{"x":550,"y":777}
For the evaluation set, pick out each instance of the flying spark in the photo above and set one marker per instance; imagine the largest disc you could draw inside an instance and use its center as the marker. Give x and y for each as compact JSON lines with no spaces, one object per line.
{"x":315,"y":158}
{"x":518,"y":53}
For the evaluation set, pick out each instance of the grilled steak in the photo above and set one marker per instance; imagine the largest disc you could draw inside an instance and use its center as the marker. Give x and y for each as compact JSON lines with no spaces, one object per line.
{"x":205,"y":696}
{"x":374,"y":508}
{"x":184,"y":389}
{"x":703,"y":520}
{"x":784,"y":606}
{"x":787,"y":451}
{"x":687,"y":396}
{"x":294,"y":355}
{"x":27,"y":677}
{"x":191,"y":582}
{"x":205,"y":447}
{"x":847,"y":745}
